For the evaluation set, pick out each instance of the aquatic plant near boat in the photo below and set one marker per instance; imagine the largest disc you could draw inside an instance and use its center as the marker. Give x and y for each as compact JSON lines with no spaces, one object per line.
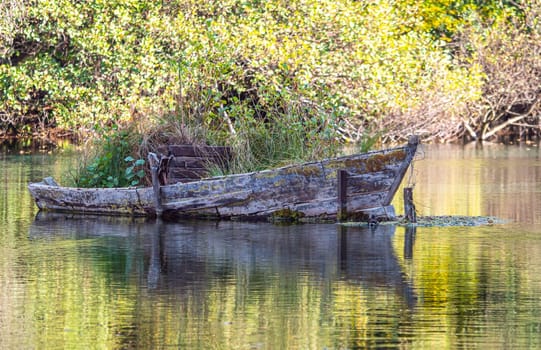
{"x":134,"y":173}
{"x":113,"y":166}
{"x":96,"y":174}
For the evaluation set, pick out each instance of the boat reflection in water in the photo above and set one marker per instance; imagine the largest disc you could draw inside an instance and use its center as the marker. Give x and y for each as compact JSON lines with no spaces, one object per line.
{"x":366,"y":254}
{"x":180,"y":254}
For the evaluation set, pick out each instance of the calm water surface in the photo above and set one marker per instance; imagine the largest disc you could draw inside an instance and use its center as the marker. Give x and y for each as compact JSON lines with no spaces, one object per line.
{"x":89,"y":283}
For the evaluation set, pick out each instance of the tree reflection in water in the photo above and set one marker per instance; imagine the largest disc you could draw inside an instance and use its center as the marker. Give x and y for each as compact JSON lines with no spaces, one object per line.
{"x":191,"y":266}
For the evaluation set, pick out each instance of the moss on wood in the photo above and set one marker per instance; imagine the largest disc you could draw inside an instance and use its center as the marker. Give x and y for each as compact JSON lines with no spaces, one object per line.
{"x":286,"y":215}
{"x":435,"y":221}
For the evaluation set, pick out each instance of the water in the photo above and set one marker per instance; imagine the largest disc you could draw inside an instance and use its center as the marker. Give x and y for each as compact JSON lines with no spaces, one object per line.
{"x":102,"y":283}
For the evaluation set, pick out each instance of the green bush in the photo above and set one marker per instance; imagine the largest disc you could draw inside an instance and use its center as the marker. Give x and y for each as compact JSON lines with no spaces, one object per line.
{"x":360,"y":65}
{"x":113,"y":166}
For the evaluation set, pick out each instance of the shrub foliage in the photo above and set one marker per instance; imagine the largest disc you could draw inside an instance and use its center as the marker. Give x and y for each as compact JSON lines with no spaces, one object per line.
{"x":327,"y":69}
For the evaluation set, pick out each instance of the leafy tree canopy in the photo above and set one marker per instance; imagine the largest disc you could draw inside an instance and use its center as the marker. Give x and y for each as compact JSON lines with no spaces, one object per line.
{"x":343,"y":66}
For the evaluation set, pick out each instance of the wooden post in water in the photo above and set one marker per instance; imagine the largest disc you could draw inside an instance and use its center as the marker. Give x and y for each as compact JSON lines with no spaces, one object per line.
{"x":409,"y":207}
{"x":154,"y":166}
{"x":342,"y":177}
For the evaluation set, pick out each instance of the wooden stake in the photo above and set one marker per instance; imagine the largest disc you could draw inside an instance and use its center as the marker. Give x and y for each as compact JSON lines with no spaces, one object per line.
{"x":409,"y":207}
{"x":342,"y":177}
{"x":154,"y":166}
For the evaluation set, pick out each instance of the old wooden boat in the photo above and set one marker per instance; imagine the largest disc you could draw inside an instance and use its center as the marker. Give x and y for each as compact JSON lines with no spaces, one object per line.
{"x":358,"y":186}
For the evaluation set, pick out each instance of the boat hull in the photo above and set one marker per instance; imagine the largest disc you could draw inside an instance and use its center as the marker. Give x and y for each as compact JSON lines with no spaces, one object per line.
{"x":308,"y":191}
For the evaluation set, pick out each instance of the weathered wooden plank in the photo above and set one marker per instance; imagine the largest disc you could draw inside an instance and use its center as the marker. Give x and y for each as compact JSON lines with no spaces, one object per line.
{"x":193,"y":157}
{"x":218,"y":200}
{"x":199,"y":151}
{"x":206,"y":187}
{"x":179,"y":174}
{"x":190,"y":162}
{"x":368,"y":162}
{"x":163,"y":150}
{"x":321,"y":208}
{"x":368,"y":187}
{"x":409,"y":151}
{"x":196,"y":162}
{"x":109,"y":201}
{"x":372,"y":182}
{"x":271,"y":191}
{"x":285,"y":187}
{"x":50,"y":181}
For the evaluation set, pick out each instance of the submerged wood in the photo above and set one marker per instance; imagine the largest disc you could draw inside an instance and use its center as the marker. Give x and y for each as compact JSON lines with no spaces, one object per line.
{"x":304,"y":192}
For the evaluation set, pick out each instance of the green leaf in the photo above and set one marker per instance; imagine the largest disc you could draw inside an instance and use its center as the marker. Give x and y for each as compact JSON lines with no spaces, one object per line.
{"x":129,"y":170}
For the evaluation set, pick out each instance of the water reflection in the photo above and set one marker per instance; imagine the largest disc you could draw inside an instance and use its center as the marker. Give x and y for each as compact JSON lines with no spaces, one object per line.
{"x":79,"y":283}
{"x":367,"y":255}
{"x":492,"y":180}
{"x":409,"y":240}
{"x":177,"y":250}
{"x":242,"y":275}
